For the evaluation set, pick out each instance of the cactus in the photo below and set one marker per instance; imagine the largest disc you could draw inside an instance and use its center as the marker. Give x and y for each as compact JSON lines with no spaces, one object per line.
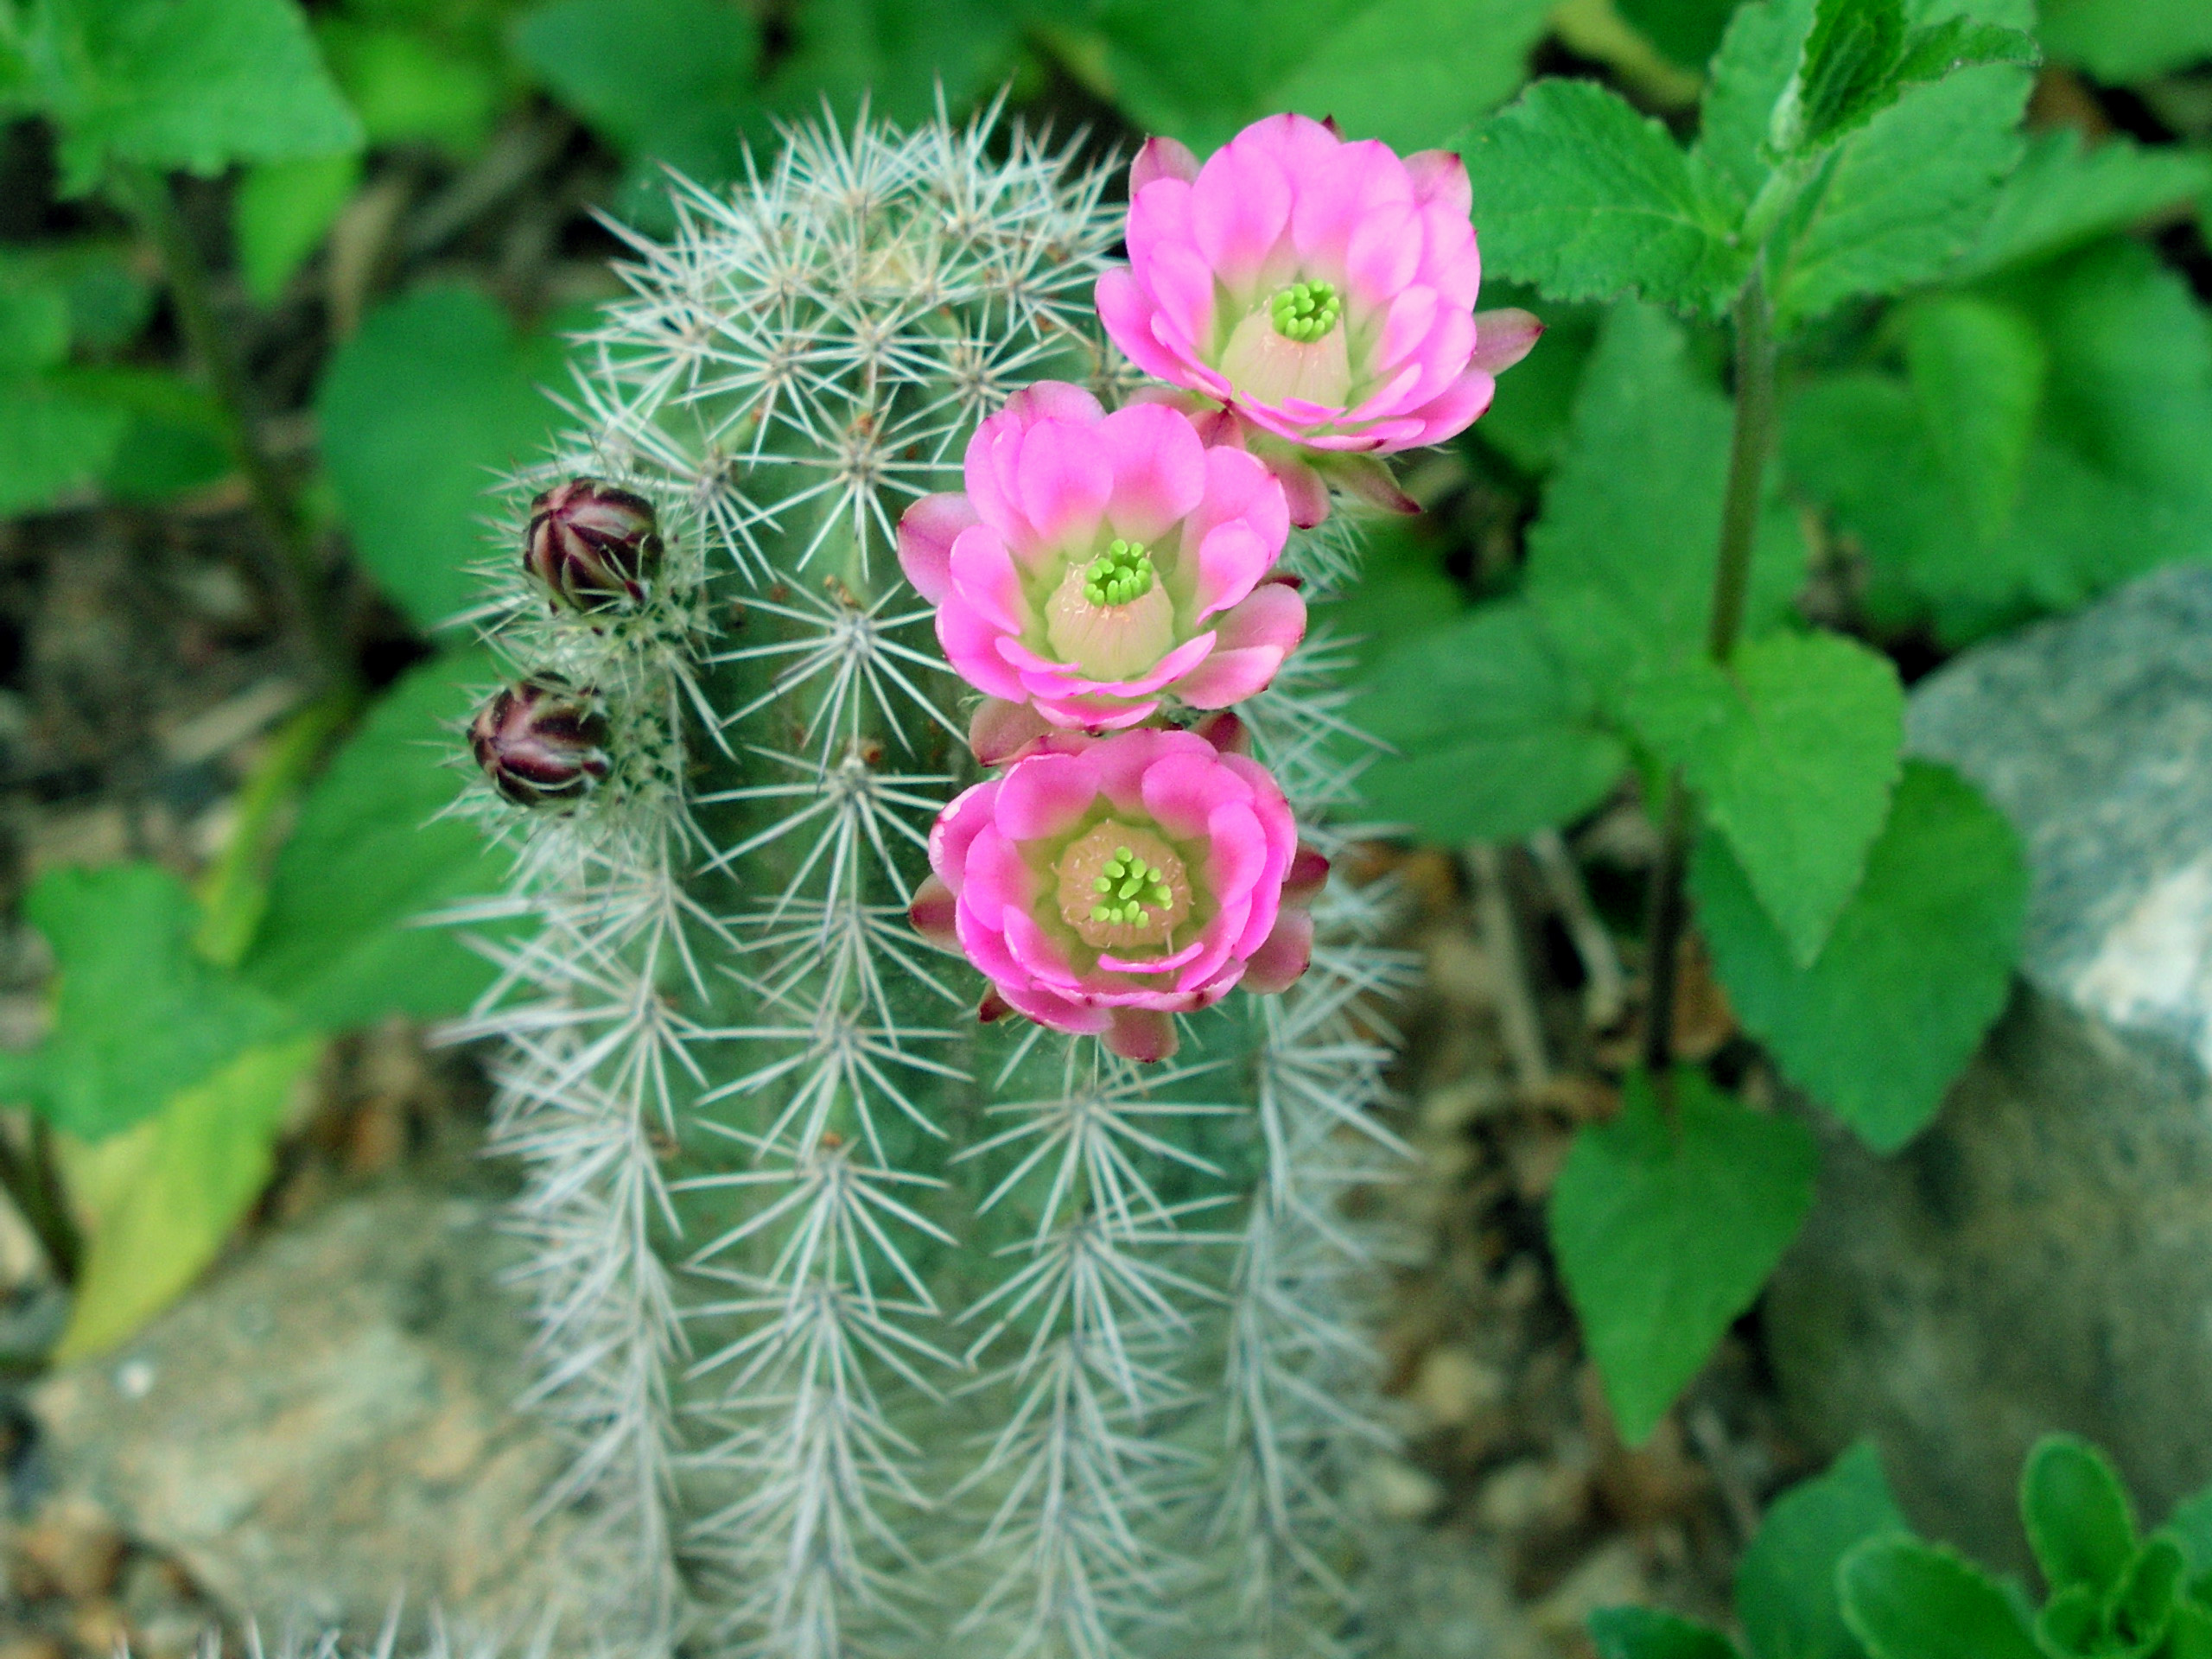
{"x":880,"y":1329}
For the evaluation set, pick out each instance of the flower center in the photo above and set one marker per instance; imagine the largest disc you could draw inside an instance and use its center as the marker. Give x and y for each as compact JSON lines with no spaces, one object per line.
{"x":1122,"y":572}
{"x":1111,"y":618}
{"x":1122,"y":887}
{"x":1305,"y":311}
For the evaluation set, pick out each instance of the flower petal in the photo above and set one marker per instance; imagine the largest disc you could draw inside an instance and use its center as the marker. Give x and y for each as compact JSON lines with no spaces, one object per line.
{"x":1140,"y":1034}
{"x":926,"y":531}
{"x":1240,"y":208}
{"x":985,"y":581}
{"x":1002,"y":729}
{"x":1045,"y":796}
{"x":1284,"y":954}
{"x":1164,"y":158}
{"x":1503,"y":338}
{"x":1125,"y":312}
{"x":1159,"y":466}
{"x":1440,"y":177}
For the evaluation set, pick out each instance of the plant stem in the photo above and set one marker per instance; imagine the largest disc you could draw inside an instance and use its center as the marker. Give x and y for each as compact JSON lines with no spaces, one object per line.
{"x":149,"y":198}
{"x":1668,"y":913}
{"x":31,"y":1180}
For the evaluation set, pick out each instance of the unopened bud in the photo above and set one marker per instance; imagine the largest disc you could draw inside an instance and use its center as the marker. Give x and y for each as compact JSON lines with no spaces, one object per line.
{"x":540,"y":743}
{"x":591,"y":545}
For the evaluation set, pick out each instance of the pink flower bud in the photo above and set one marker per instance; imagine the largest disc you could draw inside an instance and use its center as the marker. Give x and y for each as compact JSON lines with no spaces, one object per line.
{"x":591,"y":545}
{"x":541,"y":743}
{"x":1105,"y":885}
{"x":1325,"y":290}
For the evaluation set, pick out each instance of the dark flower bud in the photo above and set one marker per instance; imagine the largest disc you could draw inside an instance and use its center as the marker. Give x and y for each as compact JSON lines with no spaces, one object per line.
{"x":592,"y":545}
{"x":540,"y":743}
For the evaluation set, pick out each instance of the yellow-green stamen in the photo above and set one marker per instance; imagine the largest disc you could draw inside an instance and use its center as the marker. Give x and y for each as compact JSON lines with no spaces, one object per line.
{"x":1305,"y":311}
{"x":1129,"y":887}
{"x":1123,"y":573}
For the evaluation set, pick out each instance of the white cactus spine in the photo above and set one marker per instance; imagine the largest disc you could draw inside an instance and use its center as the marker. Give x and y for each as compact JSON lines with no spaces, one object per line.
{"x":880,"y":1332}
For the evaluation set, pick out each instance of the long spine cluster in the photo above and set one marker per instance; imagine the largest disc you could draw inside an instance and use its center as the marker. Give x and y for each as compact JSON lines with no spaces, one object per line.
{"x":879,"y":1330}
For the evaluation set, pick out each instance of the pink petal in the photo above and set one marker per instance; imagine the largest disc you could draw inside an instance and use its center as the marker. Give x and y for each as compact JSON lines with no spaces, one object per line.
{"x":1457,"y":408}
{"x":1503,"y":338}
{"x":1229,"y":676}
{"x":1237,"y":850}
{"x":1002,"y":730}
{"x":1045,"y":795}
{"x":1225,"y":731}
{"x":1159,"y":466}
{"x":1285,"y":953}
{"x":1440,"y":177}
{"x":1308,"y":497}
{"x":1126,"y":313}
{"x":1183,"y":791}
{"x":1231,"y":561}
{"x":927,"y":531}
{"x":1140,"y":1034}
{"x":1407,"y":324}
{"x":1184,"y":291}
{"x":1160,"y":217}
{"x":1122,"y":762}
{"x":1038,"y":952}
{"x":1156,"y":965}
{"x":1297,"y":142}
{"x":1450,"y":262}
{"x":932,"y":913}
{"x":1240,"y":208}
{"x":1080,"y":714}
{"x":1241,"y":486}
{"x":971,"y":644}
{"x":984,"y":580}
{"x":1382,"y":256}
{"x":955,"y":828}
{"x":1308,"y":875}
{"x":1062,"y":1013}
{"x":1163,"y":158}
{"x":1062,"y":481}
{"x":1052,"y":400}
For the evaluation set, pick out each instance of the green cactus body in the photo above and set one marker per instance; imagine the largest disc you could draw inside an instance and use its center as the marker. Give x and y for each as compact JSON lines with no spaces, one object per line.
{"x":882,"y":1329}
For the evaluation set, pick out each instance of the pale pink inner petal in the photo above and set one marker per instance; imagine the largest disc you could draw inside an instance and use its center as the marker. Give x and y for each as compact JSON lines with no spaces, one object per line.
{"x":1062,"y":481}
{"x":1160,"y":215}
{"x":1183,"y":292}
{"x":1439,"y":177}
{"x":1236,"y":847}
{"x":955,"y":828}
{"x":926,"y":532}
{"x":1182,"y":790}
{"x":1383,"y":255}
{"x":1127,"y":315}
{"x":1240,"y":208}
{"x":1161,"y":158}
{"x":1038,"y":952}
{"x":984,"y":579}
{"x":1231,"y":561}
{"x":971,"y":644}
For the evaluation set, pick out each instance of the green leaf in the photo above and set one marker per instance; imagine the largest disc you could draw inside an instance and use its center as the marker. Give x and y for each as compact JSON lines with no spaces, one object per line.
{"x":1977,"y":369}
{"x":2148,"y":1593}
{"x":2190,"y":1523}
{"x":421,"y":412}
{"x":2112,"y":486}
{"x":1579,"y":195}
{"x":201,"y":1164}
{"x":1411,"y":72}
{"x":2079,"y":1521}
{"x":1527,"y":421}
{"x":2061,"y":196}
{"x":1904,"y":1599}
{"x":897,"y":57}
{"x":664,"y":80}
{"x":137,"y":1015}
{"x":1848,"y":70}
{"x":2120,"y":40}
{"x":1759,"y":58}
{"x":191,"y":84}
{"x":410,"y":88}
{"x":34,"y":318}
{"x":1786,"y":1582}
{"x":1917,"y":967}
{"x":340,"y":941}
{"x":1898,"y":201}
{"x":282,"y":210}
{"x":1647,"y":1633}
{"x":173,"y":438}
{"x":1793,"y":750}
{"x":1494,"y":737}
{"x":55,"y":442}
{"x":1687,"y":31}
{"x":1665,"y":1232}
{"x":1620,"y":564}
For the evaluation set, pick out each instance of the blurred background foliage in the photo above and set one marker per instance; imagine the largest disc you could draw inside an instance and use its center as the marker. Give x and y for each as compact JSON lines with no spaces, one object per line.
{"x":392,"y":209}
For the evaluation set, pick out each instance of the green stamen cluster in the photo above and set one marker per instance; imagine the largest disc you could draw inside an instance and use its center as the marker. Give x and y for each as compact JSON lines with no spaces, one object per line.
{"x":1127,"y":886}
{"x":1122,"y":572}
{"x":1306,"y":311}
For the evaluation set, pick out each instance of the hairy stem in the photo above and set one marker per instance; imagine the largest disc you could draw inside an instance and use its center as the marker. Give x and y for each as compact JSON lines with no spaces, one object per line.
{"x":149,"y":197}
{"x":1753,"y":436}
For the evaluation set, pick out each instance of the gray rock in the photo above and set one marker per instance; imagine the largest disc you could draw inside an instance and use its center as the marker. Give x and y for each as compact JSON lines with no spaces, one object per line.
{"x":2041,"y":1258}
{"x":330,"y":1422}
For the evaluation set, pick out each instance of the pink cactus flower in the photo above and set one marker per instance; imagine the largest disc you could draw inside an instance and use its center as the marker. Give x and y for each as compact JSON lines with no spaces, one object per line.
{"x":1099,"y":564}
{"x":1323,"y":290}
{"x":1105,"y":885}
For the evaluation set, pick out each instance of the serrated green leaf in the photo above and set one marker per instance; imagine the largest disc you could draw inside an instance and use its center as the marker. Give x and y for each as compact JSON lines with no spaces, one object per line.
{"x":1584,"y":198}
{"x":2061,"y":196}
{"x":1687,"y":31}
{"x":664,"y":80}
{"x":421,"y":412}
{"x":2121,"y":41}
{"x":1793,"y":750}
{"x":136,"y":1015}
{"x":1786,"y":1582}
{"x":1491,"y":736}
{"x":205,"y":1160}
{"x":1758,"y":59}
{"x":1647,"y":1633}
{"x":190,"y":84}
{"x":1904,"y":1599}
{"x":1411,"y":72}
{"x":280,"y":212}
{"x":1665,"y":1232}
{"x":1620,"y":563}
{"x":1917,"y":968}
{"x":1977,"y":369}
{"x":341,"y":941}
{"x":1848,"y":70}
{"x":2079,"y":1520}
{"x":1901,"y":200}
